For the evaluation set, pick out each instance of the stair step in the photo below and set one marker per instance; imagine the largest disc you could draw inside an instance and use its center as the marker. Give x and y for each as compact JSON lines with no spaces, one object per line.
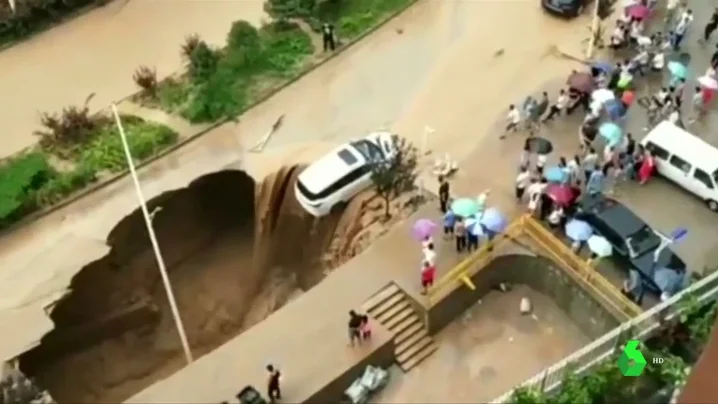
{"x":392,"y":322}
{"x":414,"y":349}
{"x":389,"y":314}
{"x":404,"y":325}
{"x":407,"y":333}
{"x":419,"y":357}
{"x":377,"y":311}
{"x":410,"y":342}
{"x":379,"y":298}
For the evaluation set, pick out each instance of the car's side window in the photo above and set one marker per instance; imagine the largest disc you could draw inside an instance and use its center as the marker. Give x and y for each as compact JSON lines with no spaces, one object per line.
{"x":657,"y":151}
{"x":680,"y":164}
{"x":704,"y":178}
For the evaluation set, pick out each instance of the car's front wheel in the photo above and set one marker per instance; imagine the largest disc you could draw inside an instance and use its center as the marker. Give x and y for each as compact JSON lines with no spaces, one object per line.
{"x":338,"y":207}
{"x":712,"y":205}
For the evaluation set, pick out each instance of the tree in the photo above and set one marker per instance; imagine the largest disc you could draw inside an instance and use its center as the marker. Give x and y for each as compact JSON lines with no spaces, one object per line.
{"x":395,"y":176}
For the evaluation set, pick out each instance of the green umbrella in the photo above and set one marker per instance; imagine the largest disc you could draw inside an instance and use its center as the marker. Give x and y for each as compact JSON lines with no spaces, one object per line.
{"x":465,"y":207}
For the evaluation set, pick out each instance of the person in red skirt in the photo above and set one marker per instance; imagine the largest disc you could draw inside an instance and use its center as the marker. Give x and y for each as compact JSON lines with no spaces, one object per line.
{"x":428,"y":273}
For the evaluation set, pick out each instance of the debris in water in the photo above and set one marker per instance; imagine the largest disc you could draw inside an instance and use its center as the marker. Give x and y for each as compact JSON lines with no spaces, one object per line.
{"x":535,"y":317}
{"x":399,"y":31}
{"x":499,"y":52}
{"x":525,"y":305}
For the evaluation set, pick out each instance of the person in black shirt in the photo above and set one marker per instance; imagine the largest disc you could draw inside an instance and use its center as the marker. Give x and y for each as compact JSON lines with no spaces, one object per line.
{"x":630,"y":145}
{"x":443,"y":194}
{"x":328,"y":37}
{"x":355,"y":323}
{"x":273,"y":391}
{"x":711,"y":26}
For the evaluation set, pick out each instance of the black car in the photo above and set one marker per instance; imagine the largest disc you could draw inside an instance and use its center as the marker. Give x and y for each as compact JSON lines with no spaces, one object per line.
{"x":634,"y":241}
{"x":564,"y":8}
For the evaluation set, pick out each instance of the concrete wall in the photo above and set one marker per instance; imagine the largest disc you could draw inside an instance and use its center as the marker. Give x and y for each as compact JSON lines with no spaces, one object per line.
{"x":538,"y":273}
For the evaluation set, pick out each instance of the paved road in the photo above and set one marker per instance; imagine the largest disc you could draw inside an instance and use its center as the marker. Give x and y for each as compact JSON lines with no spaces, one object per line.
{"x":98,"y":52}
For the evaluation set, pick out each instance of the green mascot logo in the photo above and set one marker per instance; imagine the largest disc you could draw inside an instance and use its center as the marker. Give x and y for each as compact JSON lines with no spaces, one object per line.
{"x":631,"y":363}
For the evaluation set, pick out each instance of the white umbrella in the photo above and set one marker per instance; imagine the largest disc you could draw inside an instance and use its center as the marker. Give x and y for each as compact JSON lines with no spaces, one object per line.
{"x":708,"y":82}
{"x":599,"y":246}
{"x":603,"y":95}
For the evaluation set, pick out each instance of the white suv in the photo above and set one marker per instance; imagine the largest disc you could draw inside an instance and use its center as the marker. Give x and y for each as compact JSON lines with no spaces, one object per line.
{"x":334,"y":179}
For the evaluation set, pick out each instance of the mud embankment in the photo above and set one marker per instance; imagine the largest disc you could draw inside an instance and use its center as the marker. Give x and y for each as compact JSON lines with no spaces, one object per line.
{"x":235,"y":251}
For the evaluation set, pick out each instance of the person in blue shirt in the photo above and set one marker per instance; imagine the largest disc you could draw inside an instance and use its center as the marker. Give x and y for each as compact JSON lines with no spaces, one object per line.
{"x":594,"y":185}
{"x":449,"y":222}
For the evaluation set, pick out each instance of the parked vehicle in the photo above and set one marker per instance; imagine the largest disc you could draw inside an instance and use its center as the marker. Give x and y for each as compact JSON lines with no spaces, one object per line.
{"x":634,"y":242}
{"x":331,"y":182}
{"x":564,"y":8}
{"x":686,"y":160}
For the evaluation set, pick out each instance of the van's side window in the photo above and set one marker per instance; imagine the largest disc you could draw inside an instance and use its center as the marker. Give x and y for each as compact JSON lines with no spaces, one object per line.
{"x":680,"y":164}
{"x":657,"y":151}
{"x":703,"y":177}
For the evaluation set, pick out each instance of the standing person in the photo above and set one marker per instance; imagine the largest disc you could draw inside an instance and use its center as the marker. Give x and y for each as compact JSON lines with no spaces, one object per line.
{"x":522,"y":182}
{"x":648,"y":166}
{"x":525,"y":160}
{"x":594,"y":186}
{"x":444,"y":194}
{"x":513,"y":119}
{"x":541,"y":163}
{"x":574,"y":169}
{"x":328,"y":37}
{"x":365,"y":328}
{"x":273,"y":391}
{"x":630,"y":145}
{"x":427,"y":241}
{"x":554,"y":219}
{"x":472,"y":241}
{"x":680,"y":32}
{"x":428,"y":273}
{"x":460,"y":234}
{"x":559,"y":107}
{"x":609,"y":154}
{"x":678,"y":92}
{"x":590,"y":161}
{"x":354,"y":327}
{"x":430,"y":254}
{"x":711,"y":26}
{"x":697,"y":106}
{"x":449,"y":223}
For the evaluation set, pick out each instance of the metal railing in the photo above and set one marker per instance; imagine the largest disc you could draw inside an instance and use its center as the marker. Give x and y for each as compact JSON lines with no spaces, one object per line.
{"x":580,"y":269}
{"x":606,"y":346}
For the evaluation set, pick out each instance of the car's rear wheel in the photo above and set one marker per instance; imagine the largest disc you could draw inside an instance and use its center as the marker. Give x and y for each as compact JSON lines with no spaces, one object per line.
{"x":712,"y":205}
{"x":338,"y":207}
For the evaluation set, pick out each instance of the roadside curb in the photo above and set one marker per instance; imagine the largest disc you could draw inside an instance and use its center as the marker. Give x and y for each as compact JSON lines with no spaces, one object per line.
{"x":111,"y":180}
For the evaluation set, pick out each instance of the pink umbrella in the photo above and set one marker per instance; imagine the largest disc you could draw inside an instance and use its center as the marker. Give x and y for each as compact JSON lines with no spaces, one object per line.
{"x":423,"y":228}
{"x":638,"y":11}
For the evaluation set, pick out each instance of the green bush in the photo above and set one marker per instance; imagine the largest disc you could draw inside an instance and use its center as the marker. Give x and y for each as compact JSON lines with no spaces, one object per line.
{"x":19,"y":178}
{"x":64,"y":184}
{"x":285,"y":9}
{"x":222,"y":96}
{"x":173,"y":94}
{"x":286,"y":47}
{"x":105,"y":152}
{"x":203,"y":62}
{"x":244,"y":46}
{"x":357,"y":16}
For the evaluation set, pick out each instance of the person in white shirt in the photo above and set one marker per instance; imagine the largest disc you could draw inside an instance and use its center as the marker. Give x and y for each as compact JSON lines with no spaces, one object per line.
{"x":513,"y":120}
{"x":574,"y":167}
{"x":554,"y":219}
{"x":590,"y":160}
{"x":608,"y":154}
{"x":659,"y":61}
{"x":523,"y":180}
{"x":428,"y":240}
{"x":675,"y":117}
{"x":541,"y":163}
{"x":558,"y":107}
{"x":429,"y":254}
{"x":680,"y":32}
{"x":534,"y":191}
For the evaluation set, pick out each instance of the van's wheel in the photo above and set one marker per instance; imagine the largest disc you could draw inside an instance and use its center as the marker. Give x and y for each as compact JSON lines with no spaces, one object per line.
{"x":338,"y":207}
{"x":712,"y":205}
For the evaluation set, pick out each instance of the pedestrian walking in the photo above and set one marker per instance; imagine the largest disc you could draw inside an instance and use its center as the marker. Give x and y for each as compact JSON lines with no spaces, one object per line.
{"x":460,"y":235}
{"x":429,"y":254}
{"x":365,"y":328}
{"x":574,"y":169}
{"x":513,"y":119}
{"x":594,"y":185}
{"x":710,"y":26}
{"x":525,"y":159}
{"x":534,"y":191}
{"x":559,"y":107}
{"x":328,"y":37}
{"x":697,"y":106}
{"x":678,"y":92}
{"x":428,"y":273}
{"x":472,"y":241}
{"x":354,"y":327}
{"x":590,"y":161}
{"x":541,"y":163}
{"x":449,"y":223}
{"x":273,"y":378}
{"x":648,"y":166}
{"x":681,"y":29}
{"x":444,"y":194}
{"x":523,"y":180}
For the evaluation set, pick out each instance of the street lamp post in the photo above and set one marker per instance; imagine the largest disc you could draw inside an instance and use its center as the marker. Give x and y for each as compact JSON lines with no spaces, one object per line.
{"x":153,"y":238}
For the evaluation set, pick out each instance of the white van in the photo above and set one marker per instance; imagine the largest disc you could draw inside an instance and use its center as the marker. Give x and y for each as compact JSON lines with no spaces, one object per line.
{"x":334,"y":179}
{"x":686,"y":160}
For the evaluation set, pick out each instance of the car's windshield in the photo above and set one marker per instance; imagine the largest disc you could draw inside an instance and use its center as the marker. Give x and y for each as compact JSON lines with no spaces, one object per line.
{"x":642,"y":241}
{"x":370,"y":151}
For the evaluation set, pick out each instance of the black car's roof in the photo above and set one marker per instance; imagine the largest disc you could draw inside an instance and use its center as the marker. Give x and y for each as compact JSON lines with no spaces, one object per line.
{"x":614,"y":214}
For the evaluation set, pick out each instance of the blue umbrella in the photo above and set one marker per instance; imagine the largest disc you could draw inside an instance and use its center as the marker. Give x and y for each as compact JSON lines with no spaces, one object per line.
{"x":493,"y":220}
{"x":578,"y":230}
{"x":556,"y":174}
{"x":611,"y":132}
{"x":474,"y":227}
{"x":615,"y":109}
{"x":677,"y":69}
{"x":669,"y":280}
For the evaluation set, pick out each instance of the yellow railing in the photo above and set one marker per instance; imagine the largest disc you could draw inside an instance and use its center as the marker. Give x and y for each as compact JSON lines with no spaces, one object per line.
{"x":463,"y":272}
{"x":579,"y":268}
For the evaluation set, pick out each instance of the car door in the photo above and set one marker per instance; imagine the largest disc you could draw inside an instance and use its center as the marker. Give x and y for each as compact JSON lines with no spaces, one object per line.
{"x":680,"y":171}
{"x":701,"y":184}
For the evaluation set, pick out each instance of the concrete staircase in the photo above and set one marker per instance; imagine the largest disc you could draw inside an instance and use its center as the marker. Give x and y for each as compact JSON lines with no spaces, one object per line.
{"x":392,"y":308}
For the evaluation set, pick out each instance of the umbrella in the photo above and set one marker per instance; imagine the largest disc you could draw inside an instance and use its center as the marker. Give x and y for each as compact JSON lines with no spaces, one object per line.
{"x":603,"y":67}
{"x":638,"y":11}
{"x":493,"y":220}
{"x":539,"y":145}
{"x":581,"y":81}
{"x":669,"y":280}
{"x":603,"y":95}
{"x":560,"y":194}
{"x":611,"y":132}
{"x":708,"y":82}
{"x":578,"y":230}
{"x":556,"y":174}
{"x":474,"y":227}
{"x":423,"y":228}
{"x":465,"y":207}
{"x":599,"y":246}
{"x":615,"y":109}
{"x":678,"y":70}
